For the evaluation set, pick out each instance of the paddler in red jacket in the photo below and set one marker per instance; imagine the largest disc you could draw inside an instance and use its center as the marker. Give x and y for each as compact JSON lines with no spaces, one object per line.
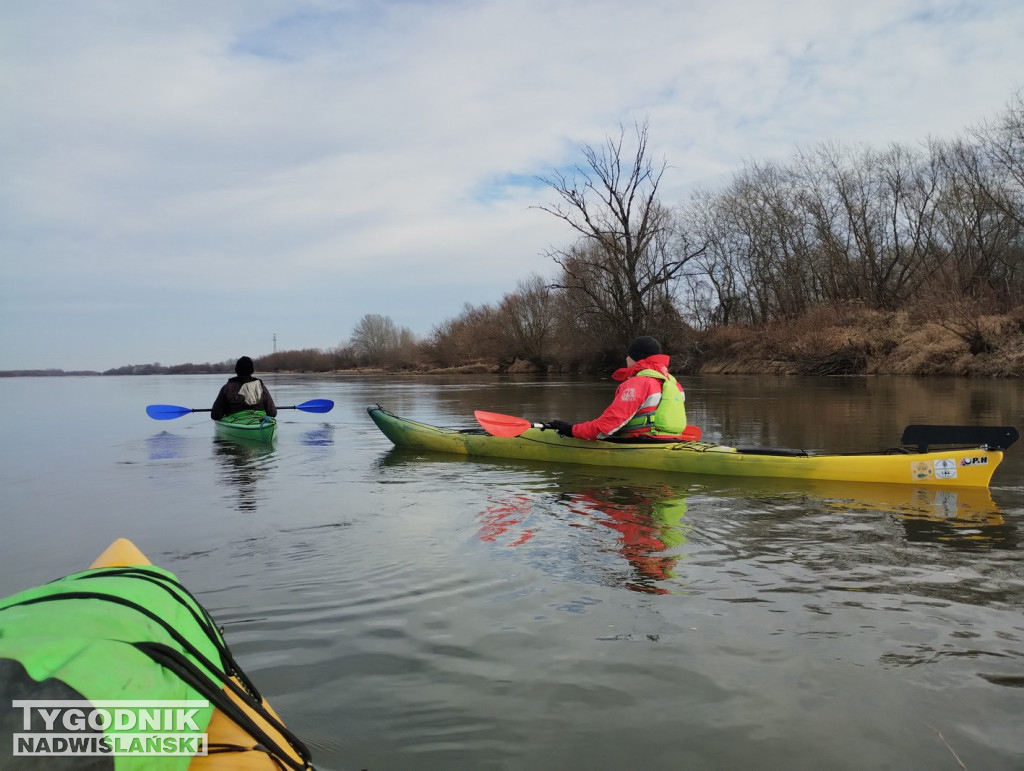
{"x":649,"y":403}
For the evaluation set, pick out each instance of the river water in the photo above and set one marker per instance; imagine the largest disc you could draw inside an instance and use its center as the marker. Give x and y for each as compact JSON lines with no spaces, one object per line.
{"x":410,"y":611}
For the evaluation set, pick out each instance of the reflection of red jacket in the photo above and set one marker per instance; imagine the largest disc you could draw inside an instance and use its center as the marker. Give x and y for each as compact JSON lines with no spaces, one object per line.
{"x":643,"y":535}
{"x":640,"y":540}
{"x":631,"y":393}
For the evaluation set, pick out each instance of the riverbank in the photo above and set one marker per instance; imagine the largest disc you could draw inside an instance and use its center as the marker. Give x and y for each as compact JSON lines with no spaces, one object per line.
{"x":861,"y":342}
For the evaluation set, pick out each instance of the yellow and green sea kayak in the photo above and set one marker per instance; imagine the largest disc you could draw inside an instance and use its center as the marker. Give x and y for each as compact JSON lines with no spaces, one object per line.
{"x":119,"y":667}
{"x":918,"y":464}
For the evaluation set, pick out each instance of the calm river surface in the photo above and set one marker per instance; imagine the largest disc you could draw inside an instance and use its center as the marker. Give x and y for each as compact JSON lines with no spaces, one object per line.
{"x":407,"y":611}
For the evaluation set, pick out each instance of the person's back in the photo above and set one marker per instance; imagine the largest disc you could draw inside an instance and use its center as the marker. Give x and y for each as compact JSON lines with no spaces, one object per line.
{"x":243,"y":392}
{"x":649,"y":403}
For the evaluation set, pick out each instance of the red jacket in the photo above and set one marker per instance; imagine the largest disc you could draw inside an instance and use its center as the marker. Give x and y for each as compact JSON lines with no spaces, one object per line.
{"x":630,"y":394}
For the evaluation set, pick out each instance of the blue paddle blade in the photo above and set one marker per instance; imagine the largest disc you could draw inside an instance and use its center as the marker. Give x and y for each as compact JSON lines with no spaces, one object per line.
{"x":316,"y":405}
{"x":166,"y":411}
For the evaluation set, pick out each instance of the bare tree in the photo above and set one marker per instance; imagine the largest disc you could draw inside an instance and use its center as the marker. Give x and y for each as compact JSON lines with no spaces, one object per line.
{"x":468,"y":337}
{"x":379,"y":340}
{"x":769,"y":236}
{"x":626,"y":254}
{"x":1001,"y":142}
{"x":717,"y":281}
{"x":908,"y":184}
{"x":975,"y":233}
{"x":527,"y":321}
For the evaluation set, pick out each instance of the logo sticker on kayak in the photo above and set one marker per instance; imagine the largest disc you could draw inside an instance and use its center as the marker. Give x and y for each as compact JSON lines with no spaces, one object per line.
{"x":982,"y":461}
{"x":937,"y":469}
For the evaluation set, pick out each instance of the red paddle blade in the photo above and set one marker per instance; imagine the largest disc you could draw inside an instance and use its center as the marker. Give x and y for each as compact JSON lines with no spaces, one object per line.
{"x":692,"y":434}
{"x":501,"y":425}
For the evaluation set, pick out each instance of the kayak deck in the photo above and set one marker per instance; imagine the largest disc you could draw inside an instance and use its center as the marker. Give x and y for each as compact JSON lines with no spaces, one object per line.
{"x":243,"y":731}
{"x":966,"y":467}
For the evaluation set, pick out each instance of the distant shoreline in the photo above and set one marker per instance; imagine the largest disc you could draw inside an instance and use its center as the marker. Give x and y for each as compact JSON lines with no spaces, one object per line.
{"x":827,"y":344}
{"x":47,"y":373}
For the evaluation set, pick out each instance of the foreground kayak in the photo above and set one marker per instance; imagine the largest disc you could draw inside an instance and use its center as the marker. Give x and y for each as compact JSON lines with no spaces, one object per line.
{"x":251,"y":425}
{"x":971,"y":467}
{"x":140,"y":656}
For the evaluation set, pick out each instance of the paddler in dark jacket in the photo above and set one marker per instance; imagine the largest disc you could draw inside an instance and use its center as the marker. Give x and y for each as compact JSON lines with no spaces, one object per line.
{"x":649,"y":403}
{"x":243,"y":392}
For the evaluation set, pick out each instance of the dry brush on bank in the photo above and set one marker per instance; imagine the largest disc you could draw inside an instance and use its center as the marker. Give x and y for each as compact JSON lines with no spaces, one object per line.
{"x":858,"y":341}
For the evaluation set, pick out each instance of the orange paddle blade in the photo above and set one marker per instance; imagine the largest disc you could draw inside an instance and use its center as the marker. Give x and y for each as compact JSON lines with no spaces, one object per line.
{"x":496,"y":424}
{"x":692,"y":434}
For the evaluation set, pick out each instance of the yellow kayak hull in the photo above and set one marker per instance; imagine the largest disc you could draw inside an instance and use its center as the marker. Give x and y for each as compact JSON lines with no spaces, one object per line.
{"x":946,"y":468}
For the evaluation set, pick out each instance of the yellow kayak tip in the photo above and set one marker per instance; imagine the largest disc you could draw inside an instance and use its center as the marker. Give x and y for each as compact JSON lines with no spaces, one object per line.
{"x":121,"y":553}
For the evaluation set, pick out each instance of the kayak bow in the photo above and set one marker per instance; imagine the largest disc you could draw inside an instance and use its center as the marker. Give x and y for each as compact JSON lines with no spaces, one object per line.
{"x":121,"y":635}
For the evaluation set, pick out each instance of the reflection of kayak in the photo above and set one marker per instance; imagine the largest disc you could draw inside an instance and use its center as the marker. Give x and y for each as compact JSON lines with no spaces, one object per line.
{"x":971,"y":467}
{"x":128,"y":638}
{"x":248,"y":424}
{"x":649,"y":513}
{"x":958,"y":507}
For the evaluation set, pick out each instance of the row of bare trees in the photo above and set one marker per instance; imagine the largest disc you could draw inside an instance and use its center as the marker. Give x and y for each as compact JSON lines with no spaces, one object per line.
{"x":937,"y":229}
{"x":937,"y":224}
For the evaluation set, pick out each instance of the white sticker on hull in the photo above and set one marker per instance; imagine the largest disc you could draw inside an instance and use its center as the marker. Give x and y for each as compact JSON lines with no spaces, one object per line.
{"x":937,"y":469}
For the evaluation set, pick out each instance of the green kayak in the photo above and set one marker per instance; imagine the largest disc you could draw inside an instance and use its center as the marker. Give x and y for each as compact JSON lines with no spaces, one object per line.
{"x":918,"y":464}
{"x":120,"y":667}
{"x":251,"y":425}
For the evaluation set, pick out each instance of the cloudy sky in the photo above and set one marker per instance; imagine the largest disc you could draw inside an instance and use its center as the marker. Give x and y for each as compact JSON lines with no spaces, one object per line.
{"x":183,"y":180}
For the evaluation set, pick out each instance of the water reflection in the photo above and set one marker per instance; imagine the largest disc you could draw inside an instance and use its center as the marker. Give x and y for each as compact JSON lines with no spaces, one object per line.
{"x":165,"y":446}
{"x":647,"y":523}
{"x":562,"y":515}
{"x":966,"y":518}
{"x":321,"y":436}
{"x":241,"y":466}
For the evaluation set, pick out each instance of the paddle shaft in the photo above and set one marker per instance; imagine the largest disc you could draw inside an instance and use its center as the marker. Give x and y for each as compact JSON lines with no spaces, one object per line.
{"x":210,"y":409}
{"x":171,"y":411}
